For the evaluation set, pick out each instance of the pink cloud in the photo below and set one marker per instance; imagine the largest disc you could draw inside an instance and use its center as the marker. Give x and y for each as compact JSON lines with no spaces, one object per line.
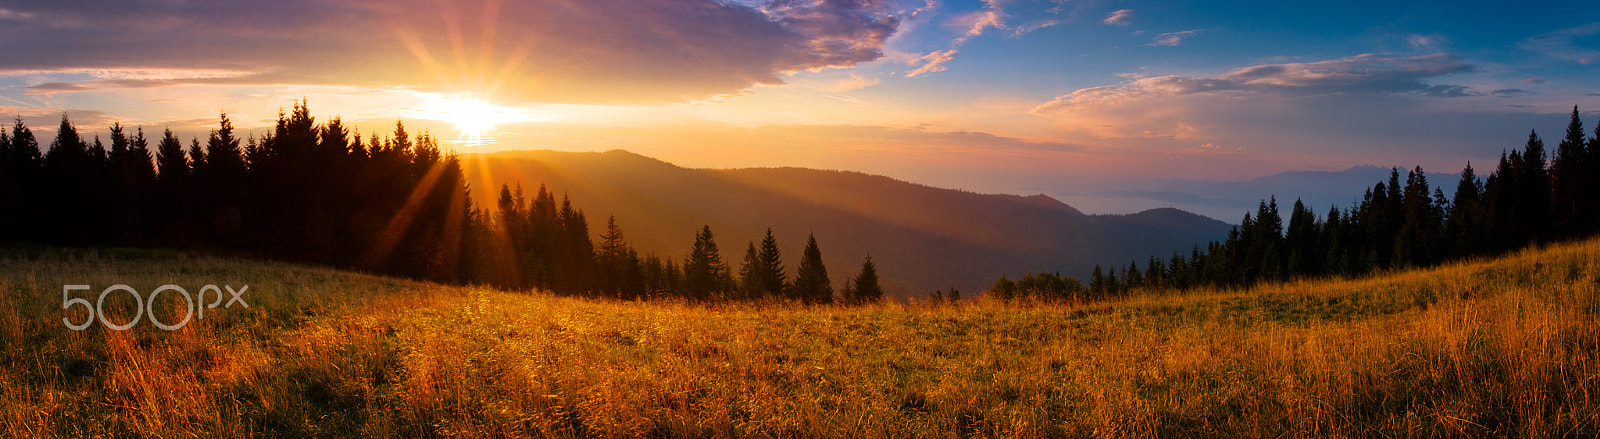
{"x":933,"y":62}
{"x":640,"y":51}
{"x":1120,"y":17}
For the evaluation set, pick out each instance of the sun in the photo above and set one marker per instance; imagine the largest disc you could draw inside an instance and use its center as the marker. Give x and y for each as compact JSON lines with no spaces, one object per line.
{"x":473,"y":116}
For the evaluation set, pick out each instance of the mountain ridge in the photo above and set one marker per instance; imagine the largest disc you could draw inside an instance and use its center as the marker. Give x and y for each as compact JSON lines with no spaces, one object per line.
{"x":921,"y":237}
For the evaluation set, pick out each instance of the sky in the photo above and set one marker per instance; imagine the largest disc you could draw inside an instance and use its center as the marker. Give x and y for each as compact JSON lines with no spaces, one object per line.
{"x":1078,"y":99}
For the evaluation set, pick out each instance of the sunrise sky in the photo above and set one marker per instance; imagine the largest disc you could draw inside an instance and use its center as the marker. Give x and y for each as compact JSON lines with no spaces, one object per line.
{"x":1016,"y":96}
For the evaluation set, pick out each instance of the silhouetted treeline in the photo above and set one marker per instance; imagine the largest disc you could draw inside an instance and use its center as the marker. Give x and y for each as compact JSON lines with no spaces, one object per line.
{"x":306,"y":192}
{"x":1530,"y":197}
{"x":392,"y":204}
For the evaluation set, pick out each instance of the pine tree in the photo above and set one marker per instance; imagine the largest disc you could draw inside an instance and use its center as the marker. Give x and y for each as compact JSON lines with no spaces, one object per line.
{"x":772,"y":270}
{"x":24,"y":172}
{"x":751,"y":274}
{"x":614,"y":256}
{"x":1591,"y":181}
{"x":1464,"y":223}
{"x":705,"y":275}
{"x":811,"y":283}
{"x":866,"y":285}
{"x":1533,"y":182}
{"x":1567,"y":189}
{"x":70,"y":183}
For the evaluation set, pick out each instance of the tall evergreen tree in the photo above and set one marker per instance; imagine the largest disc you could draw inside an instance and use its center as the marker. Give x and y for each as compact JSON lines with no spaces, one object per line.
{"x":70,"y":188}
{"x":751,"y":280}
{"x":1533,"y":182}
{"x":865,"y":286}
{"x":1590,"y":193}
{"x":614,"y":255}
{"x":1568,"y":192}
{"x":811,"y":283}
{"x":772,"y":270}
{"x":23,"y":172}
{"x":705,"y":275}
{"x":1464,"y":224}
{"x":1303,"y":241}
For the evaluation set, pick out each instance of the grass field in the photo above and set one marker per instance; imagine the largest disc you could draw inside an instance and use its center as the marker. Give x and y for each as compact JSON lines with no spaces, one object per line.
{"x":1505,"y":347}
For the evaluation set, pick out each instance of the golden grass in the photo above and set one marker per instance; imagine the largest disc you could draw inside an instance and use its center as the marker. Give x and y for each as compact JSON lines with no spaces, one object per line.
{"x":1504,"y":347}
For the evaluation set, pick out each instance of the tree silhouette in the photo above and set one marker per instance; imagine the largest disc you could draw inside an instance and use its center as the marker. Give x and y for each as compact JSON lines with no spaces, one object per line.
{"x":773,"y":273}
{"x":705,"y":275}
{"x":866,"y":288}
{"x":751,"y":281}
{"x":811,"y":283}
{"x":1568,"y":193}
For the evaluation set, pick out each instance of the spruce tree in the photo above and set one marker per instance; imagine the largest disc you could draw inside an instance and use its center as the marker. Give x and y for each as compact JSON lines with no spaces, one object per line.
{"x":1566,"y":176}
{"x":773,"y":277}
{"x":1591,"y":182}
{"x":704,"y":273}
{"x":811,"y":283}
{"x":24,"y":169}
{"x":866,"y":285}
{"x":1533,"y":180}
{"x":1463,"y":225}
{"x":751,"y":274}
{"x":69,"y":183}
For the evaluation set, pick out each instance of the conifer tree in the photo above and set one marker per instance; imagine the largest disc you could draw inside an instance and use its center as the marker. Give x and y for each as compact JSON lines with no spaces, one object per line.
{"x":1591,"y":181}
{"x":615,"y":257}
{"x":23,"y":172}
{"x":811,"y":283}
{"x":1463,"y":226}
{"x":1533,"y":182}
{"x":866,"y":286}
{"x":772,"y":270}
{"x":751,"y":281}
{"x":71,"y":178}
{"x":705,"y":275}
{"x":1567,"y":189}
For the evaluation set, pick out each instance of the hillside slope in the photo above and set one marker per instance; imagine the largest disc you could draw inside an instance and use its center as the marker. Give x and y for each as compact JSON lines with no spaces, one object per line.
{"x":922,"y":238}
{"x":1504,"y":347}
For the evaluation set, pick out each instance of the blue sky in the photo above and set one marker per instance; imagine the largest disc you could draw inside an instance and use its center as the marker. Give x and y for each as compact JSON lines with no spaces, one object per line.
{"x":997,"y":96}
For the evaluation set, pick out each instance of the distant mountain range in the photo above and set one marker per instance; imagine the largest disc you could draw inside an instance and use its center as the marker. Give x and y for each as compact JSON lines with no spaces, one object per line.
{"x":921,"y":238}
{"x":1230,"y":200}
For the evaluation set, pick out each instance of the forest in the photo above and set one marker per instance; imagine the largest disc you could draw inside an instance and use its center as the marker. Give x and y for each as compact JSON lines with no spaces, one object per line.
{"x":395,"y":204}
{"x":1531,"y":197}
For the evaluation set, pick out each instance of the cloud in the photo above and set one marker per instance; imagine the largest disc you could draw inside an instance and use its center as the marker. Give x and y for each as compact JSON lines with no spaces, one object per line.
{"x":976,"y":22}
{"x":1426,"y":42}
{"x":1508,"y":92}
{"x":1367,"y":73}
{"x":1120,"y":17}
{"x":1563,"y":44}
{"x":1182,"y":105}
{"x":850,"y":83}
{"x":934,"y":62}
{"x":1532,"y":81}
{"x":1172,"y":39}
{"x":641,"y":51}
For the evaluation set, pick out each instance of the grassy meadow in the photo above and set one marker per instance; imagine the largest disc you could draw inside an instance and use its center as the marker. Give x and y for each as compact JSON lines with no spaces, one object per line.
{"x":1503,"y":347}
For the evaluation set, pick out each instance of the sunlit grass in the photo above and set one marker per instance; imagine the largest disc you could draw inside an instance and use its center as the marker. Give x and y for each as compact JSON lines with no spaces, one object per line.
{"x":1501,"y":347}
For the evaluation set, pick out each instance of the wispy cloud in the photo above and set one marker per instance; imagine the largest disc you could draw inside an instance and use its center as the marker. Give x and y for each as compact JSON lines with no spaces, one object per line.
{"x":1367,"y":73}
{"x":1562,"y":44}
{"x":850,"y":83}
{"x":1174,"y":105}
{"x":932,"y":62}
{"x":1120,"y":17}
{"x":1426,"y":42}
{"x":1172,"y":39}
{"x":642,"y":51}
